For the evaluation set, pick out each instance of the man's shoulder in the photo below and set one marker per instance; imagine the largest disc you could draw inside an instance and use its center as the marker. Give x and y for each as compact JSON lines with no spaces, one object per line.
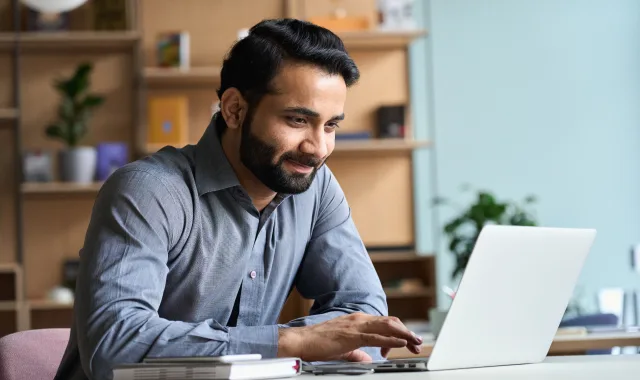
{"x":324,"y":191}
{"x":324,"y":182}
{"x":168,"y":170}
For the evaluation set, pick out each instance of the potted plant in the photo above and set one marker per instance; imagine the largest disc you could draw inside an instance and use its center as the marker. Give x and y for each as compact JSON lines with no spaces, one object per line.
{"x":77,"y":162}
{"x":463,"y":230}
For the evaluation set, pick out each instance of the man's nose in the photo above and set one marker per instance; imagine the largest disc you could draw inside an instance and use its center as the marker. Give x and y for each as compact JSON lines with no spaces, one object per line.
{"x":315,"y":144}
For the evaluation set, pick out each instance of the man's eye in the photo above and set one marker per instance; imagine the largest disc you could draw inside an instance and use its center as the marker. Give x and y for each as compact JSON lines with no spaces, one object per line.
{"x":333,"y":125}
{"x":297,"y":120}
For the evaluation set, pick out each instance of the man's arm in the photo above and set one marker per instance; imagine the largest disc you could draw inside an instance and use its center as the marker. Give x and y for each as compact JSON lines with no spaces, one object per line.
{"x":136,"y":221}
{"x":337,"y":271}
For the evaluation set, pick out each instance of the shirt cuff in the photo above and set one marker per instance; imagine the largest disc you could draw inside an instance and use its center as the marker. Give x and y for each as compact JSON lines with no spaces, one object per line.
{"x":254,"y":340}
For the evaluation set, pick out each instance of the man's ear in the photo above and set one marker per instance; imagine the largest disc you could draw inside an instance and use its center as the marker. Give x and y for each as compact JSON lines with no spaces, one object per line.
{"x":233,"y":107}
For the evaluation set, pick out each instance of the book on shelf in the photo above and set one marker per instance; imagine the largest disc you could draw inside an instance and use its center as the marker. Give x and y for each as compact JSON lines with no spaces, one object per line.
{"x":168,"y":120}
{"x":209,"y":368}
{"x":173,"y":49}
{"x":346,"y":136}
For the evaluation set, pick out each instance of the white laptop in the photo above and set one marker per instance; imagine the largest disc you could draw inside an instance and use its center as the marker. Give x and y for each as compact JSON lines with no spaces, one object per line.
{"x":509,"y":303}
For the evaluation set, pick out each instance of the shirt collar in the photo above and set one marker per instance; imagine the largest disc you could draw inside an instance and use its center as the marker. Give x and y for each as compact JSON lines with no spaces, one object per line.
{"x":213,"y":170}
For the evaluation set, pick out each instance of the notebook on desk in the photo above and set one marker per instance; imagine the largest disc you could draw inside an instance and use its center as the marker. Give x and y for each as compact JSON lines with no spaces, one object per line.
{"x":208,"y":368}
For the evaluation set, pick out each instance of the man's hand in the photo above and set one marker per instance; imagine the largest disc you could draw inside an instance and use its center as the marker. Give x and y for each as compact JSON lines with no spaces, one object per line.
{"x":340,"y":338}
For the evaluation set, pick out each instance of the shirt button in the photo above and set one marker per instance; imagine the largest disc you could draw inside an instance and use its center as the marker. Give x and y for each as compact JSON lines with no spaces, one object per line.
{"x":253,"y":274}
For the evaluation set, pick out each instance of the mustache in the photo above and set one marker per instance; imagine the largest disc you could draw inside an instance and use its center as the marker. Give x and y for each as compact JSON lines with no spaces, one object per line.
{"x":302,"y":159}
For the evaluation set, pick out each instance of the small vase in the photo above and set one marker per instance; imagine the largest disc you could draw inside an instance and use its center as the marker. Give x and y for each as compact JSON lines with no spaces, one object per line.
{"x":78,"y":164}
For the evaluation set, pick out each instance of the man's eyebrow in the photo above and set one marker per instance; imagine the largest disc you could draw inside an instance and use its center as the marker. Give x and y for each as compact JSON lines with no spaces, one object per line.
{"x":311,"y":113}
{"x":303,"y":111}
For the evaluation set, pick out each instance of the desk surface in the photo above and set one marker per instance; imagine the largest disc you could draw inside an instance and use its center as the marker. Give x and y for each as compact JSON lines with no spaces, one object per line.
{"x":597,"y":367}
{"x":562,"y":344}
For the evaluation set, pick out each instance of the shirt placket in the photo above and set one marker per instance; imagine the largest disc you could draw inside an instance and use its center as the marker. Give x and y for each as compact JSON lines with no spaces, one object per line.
{"x":253,"y":284}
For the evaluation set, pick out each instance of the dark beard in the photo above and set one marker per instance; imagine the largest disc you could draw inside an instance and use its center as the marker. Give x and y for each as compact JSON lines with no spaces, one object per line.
{"x":258,"y":157}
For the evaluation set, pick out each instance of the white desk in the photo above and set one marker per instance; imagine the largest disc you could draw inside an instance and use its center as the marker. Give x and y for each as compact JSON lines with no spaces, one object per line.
{"x":597,"y":367}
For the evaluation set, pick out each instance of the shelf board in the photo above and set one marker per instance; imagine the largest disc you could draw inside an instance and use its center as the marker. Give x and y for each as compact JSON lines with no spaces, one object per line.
{"x":9,"y":268}
{"x":397,"y":257}
{"x":95,"y":40}
{"x":416,"y":293}
{"x":176,"y":76}
{"x":45,"y":304}
{"x":59,"y":187}
{"x":379,"y":145}
{"x":7,"y":114}
{"x":380,"y":39}
{"x":8,"y":306}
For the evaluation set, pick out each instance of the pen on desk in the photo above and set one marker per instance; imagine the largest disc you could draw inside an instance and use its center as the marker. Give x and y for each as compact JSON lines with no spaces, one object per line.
{"x":450,"y":292}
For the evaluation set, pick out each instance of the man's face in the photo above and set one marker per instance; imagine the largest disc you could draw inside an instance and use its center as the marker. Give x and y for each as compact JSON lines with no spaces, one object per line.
{"x":289,"y":135}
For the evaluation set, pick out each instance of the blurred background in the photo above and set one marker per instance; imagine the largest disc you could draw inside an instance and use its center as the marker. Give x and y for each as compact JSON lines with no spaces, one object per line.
{"x":468,"y":112}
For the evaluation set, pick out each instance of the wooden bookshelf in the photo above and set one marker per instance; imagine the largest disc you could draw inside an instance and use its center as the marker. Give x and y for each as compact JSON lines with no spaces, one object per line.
{"x":88,"y":40}
{"x":175,"y":76}
{"x":407,"y":302}
{"x":56,"y":214}
{"x":8,"y":114}
{"x":379,"y":39}
{"x":59,"y":187}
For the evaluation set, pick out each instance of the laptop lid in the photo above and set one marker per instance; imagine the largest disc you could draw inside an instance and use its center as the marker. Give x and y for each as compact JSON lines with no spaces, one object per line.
{"x":512,"y":296}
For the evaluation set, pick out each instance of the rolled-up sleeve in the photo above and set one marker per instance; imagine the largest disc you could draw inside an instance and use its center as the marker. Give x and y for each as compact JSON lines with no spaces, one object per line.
{"x":136,"y":220}
{"x":337,"y":271}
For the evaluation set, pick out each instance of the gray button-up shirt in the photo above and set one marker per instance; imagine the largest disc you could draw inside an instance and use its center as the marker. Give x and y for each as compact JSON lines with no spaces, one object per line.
{"x":174,"y":239}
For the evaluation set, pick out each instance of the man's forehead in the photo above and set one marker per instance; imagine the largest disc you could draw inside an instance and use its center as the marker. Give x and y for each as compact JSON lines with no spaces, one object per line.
{"x":293,"y":77}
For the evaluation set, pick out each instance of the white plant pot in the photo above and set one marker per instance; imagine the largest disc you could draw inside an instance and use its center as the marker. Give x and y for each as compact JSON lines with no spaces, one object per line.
{"x":78,"y":164}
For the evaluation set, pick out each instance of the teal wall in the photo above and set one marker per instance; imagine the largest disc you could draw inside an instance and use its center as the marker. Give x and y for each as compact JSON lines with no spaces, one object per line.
{"x":533,"y":96}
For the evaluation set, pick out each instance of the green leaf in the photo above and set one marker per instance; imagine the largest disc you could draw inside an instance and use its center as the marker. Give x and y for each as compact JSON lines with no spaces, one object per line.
{"x":486,"y":199}
{"x":83,"y":70}
{"x":477,"y":215}
{"x":62,"y":85}
{"x":92,"y":100}
{"x":450,"y":227}
{"x":453,"y":245}
{"x":495,"y":211}
{"x":81,"y":77}
{"x":66,"y":110}
{"x":55,"y":131}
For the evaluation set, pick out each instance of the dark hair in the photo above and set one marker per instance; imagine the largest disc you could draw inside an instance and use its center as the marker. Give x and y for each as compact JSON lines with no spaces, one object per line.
{"x":256,"y":59}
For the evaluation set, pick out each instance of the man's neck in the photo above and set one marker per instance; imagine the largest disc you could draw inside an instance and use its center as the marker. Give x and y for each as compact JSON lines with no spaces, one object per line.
{"x":260,"y":195}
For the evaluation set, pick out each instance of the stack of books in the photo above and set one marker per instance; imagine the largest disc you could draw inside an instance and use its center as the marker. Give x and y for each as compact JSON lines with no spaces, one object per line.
{"x":214,"y":368}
